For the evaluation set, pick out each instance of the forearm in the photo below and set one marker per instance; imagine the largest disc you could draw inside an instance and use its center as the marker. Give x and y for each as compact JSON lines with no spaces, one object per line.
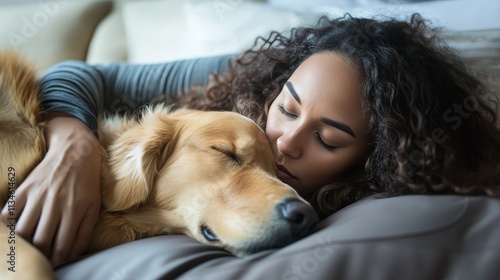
{"x":85,"y":91}
{"x":73,"y":88}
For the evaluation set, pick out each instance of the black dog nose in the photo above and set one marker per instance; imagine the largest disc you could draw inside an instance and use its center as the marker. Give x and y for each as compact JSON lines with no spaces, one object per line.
{"x":301,"y":217}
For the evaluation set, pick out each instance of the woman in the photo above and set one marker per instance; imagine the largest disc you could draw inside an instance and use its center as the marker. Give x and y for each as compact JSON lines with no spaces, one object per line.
{"x":351,"y":107}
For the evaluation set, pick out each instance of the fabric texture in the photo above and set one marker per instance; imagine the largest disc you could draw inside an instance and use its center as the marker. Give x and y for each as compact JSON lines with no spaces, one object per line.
{"x":48,"y":32}
{"x":177,"y":29}
{"x":407,"y":237}
{"x":85,"y":91}
{"x":108,"y":44}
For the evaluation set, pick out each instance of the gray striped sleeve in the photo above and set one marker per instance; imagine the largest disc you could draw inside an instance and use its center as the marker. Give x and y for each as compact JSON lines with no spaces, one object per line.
{"x":86,"y":91}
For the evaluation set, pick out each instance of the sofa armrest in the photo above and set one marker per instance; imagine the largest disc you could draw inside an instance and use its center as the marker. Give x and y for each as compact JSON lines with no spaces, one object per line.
{"x":108,"y":43}
{"x":51,"y":31}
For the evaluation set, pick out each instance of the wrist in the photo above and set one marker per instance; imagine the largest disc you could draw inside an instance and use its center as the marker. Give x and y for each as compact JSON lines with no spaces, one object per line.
{"x":64,"y":127}
{"x":70,"y":140}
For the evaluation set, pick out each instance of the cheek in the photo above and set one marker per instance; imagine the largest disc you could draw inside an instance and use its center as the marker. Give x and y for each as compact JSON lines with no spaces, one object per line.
{"x":273,"y":127}
{"x":320,"y":171}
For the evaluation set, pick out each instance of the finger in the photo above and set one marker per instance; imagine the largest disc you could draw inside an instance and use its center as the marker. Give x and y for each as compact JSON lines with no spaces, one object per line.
{"x":14,"y":206}
{"x":65,"y":237}
{"x":26,"y":224}
{"x":47,"y":227}
{"x":84,"y":233}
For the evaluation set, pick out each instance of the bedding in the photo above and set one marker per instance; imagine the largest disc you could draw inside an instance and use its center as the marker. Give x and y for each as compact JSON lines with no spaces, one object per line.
{"x":409,"y":237}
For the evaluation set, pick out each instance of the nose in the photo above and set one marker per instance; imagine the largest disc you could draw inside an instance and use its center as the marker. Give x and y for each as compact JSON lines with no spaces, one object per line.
{"x":288,"y":144}
{"x":301,"y":217}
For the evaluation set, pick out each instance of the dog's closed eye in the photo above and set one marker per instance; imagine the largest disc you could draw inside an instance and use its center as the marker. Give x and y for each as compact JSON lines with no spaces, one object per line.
{"x":233,"y":156}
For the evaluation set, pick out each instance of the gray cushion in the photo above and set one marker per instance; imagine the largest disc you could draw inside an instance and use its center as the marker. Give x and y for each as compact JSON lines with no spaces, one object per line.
{"x":407,"y":237}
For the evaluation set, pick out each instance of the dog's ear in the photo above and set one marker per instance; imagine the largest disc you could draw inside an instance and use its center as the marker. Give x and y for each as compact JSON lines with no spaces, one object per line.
{"x":135,"y":159}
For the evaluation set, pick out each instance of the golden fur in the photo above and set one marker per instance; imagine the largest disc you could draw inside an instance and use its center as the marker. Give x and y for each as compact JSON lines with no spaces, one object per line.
{"x":203,"y":174}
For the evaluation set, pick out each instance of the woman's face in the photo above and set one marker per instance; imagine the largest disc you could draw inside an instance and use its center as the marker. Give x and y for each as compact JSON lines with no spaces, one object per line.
{"x":316,"y":125}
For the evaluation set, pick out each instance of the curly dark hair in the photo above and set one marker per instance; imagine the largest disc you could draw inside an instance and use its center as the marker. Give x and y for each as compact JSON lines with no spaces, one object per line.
{"x":434,"y":122}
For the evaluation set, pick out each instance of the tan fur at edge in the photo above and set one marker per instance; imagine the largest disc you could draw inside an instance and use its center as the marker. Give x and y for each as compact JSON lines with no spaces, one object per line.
{"x":21,"y":128}
{"x":22,"y":145}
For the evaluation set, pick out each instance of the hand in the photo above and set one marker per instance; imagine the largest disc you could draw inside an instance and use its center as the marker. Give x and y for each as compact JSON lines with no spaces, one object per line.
{"x":57,"y":205}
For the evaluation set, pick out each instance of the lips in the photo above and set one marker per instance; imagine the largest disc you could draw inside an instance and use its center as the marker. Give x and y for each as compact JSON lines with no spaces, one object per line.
{"x":283,"y":172}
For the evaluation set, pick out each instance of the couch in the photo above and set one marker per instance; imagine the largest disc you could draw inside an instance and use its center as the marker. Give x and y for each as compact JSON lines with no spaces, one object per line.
{"x":150,"y":31}
{"x":409,"y":237}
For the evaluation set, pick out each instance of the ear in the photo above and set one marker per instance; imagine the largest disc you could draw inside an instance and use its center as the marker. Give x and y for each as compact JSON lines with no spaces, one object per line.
{"x":135,"y":159}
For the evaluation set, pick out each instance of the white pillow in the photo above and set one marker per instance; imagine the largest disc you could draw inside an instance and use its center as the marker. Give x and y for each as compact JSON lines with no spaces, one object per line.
{"x":156,"y":31}
{"x":167,"y":30}
{"x":218,"y":27}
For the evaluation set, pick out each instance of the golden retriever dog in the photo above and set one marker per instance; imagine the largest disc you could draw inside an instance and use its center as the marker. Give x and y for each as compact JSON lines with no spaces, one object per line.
{"x":208,"y":175}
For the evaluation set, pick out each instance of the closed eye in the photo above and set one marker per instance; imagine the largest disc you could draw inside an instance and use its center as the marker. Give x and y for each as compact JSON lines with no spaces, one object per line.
{"x":326,"y":146}
{"x":285,"y":112}
{"x":316,"y":135}
{"x":233,"y":156}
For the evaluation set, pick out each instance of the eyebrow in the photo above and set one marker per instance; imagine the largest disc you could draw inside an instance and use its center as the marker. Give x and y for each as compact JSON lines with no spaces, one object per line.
{"x":341,"y":126}
{"x":291,"y":89}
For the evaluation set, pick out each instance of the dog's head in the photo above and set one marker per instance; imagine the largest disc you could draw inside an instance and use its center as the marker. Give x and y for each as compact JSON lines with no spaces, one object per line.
{"x":211,"y":176}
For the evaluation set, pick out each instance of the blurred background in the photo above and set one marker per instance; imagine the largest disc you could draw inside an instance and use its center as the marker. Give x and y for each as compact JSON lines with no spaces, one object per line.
{"x":151,"y":31}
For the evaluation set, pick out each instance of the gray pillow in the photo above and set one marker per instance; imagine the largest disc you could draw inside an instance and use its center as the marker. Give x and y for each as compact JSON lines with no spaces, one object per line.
{"x":406,"y":237}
